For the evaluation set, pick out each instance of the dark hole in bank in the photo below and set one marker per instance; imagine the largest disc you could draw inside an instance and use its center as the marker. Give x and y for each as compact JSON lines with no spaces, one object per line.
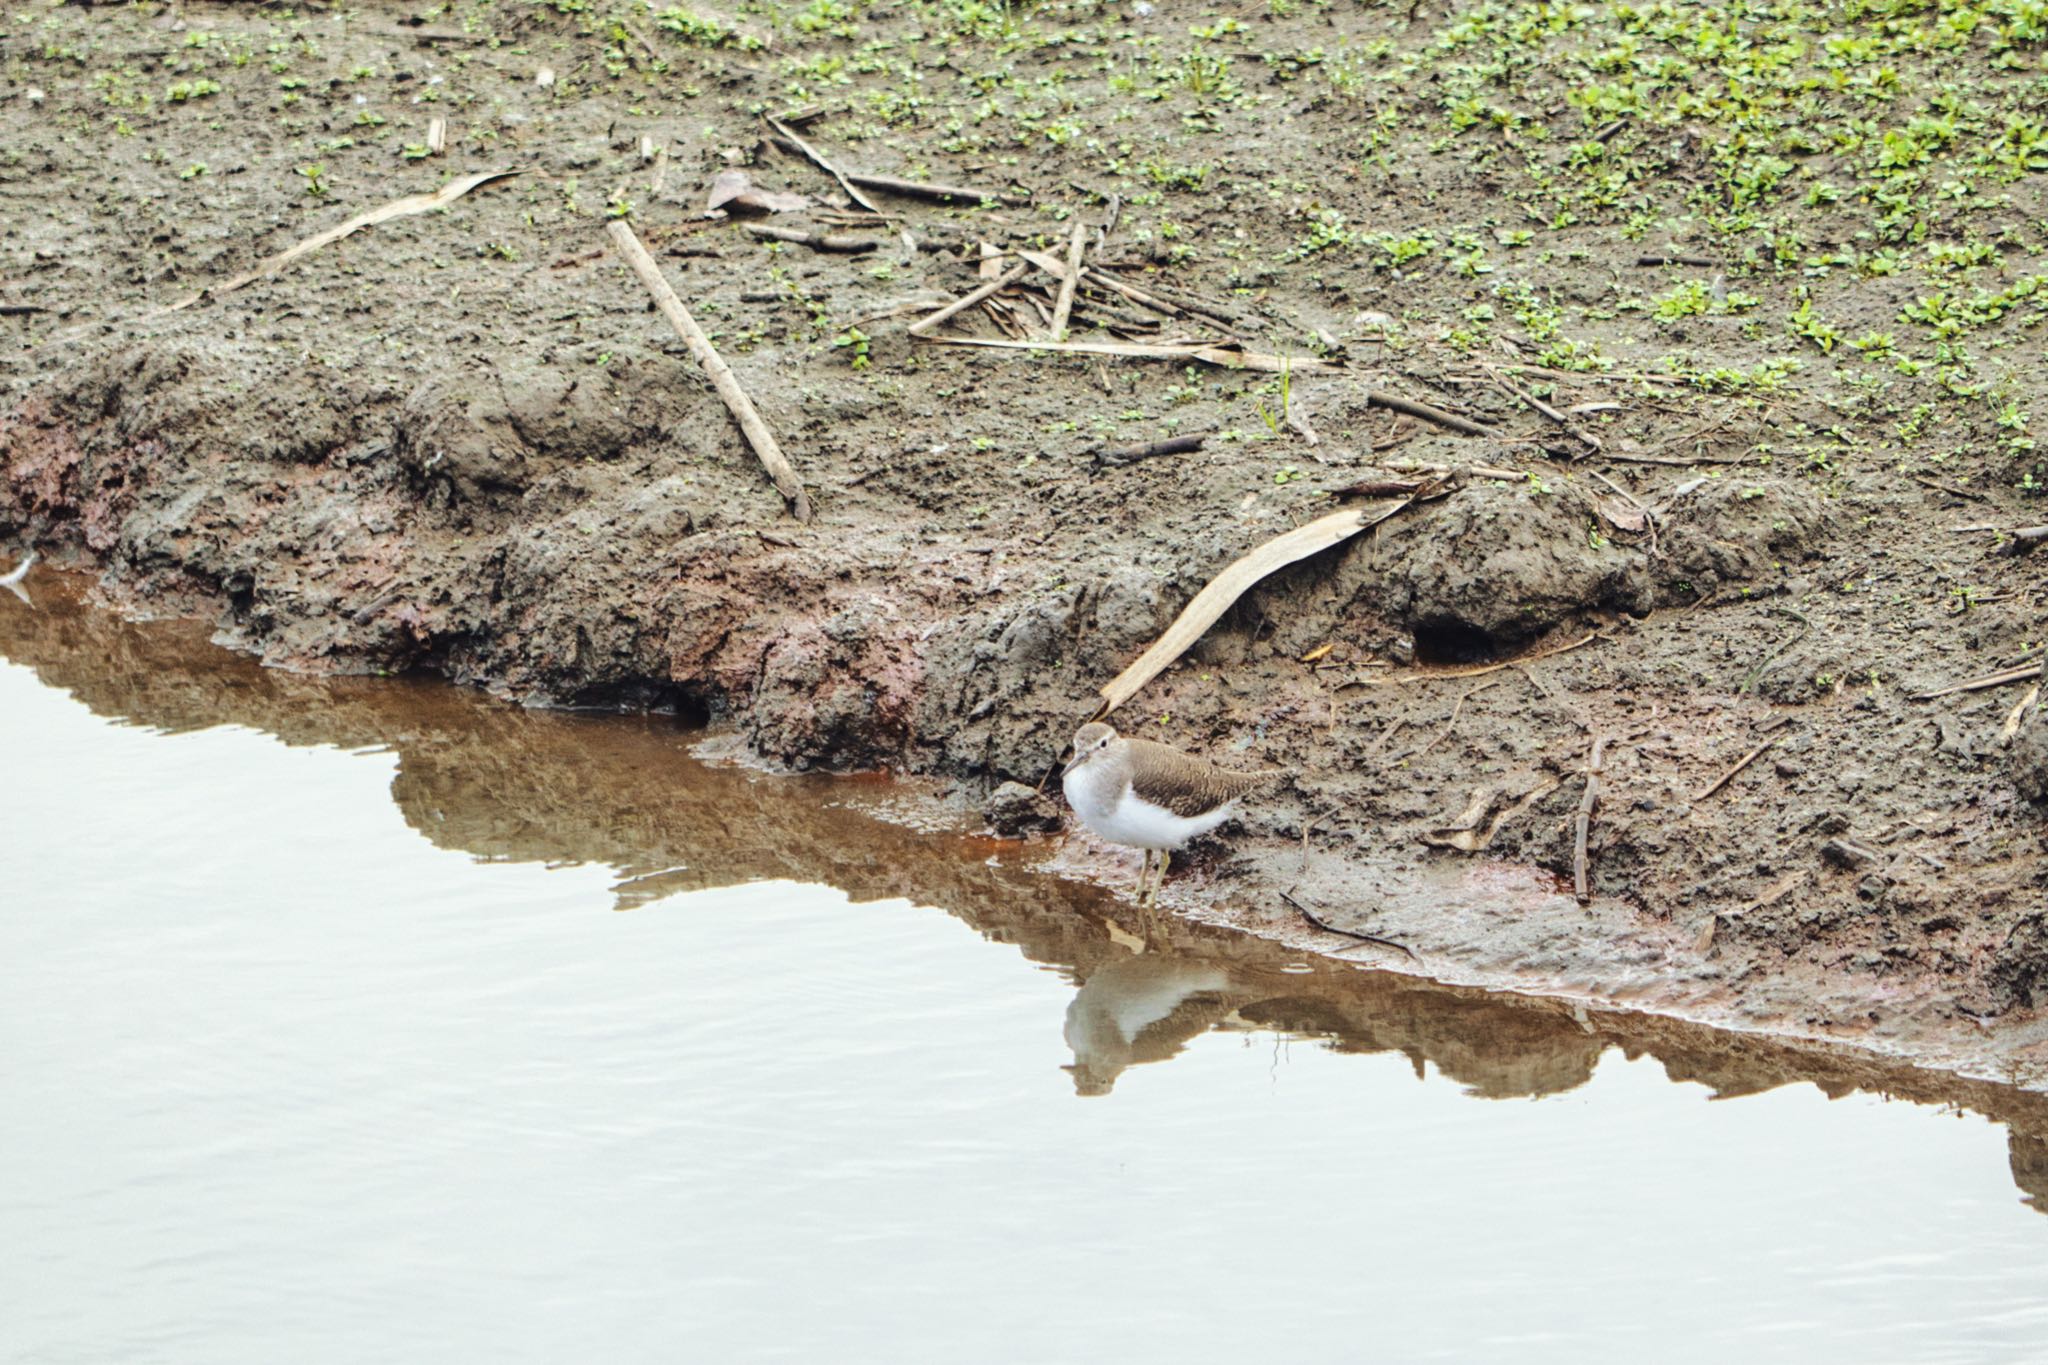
{"x":1453,"y":642}
{"x":692,"y":712}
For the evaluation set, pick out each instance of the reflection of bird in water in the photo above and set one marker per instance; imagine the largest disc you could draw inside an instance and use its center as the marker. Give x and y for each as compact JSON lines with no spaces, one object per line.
{"x":2029,"y":1156}
{"x":1148,"y":796}
{"x":11,"y":580}
{"x":1140,"y":1009}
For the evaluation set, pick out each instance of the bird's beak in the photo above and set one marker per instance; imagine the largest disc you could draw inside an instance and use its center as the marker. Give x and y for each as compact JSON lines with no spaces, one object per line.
{"x":1072,"y":764}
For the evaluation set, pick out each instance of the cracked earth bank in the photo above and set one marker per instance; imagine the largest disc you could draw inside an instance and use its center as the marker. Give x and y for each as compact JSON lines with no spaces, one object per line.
{"x":462,"y":444}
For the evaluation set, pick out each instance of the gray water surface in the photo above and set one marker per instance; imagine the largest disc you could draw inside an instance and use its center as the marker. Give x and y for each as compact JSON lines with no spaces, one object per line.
{"x":352,"y":1021}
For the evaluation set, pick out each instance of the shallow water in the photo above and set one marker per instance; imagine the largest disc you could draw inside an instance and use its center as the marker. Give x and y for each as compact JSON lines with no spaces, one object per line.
{"x":356,"y":1020}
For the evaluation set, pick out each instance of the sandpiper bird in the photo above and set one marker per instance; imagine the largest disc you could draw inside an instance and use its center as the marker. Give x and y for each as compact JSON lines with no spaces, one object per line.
{"x":1148,"y":796}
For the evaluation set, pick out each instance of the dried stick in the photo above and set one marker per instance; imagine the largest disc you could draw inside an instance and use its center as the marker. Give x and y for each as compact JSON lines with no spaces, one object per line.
{"x":816,"y":241}
{"x":967,"y":301}
{"x":1225,"y":357}
{"x":736,"y":401}
{"x":2010,"y":675}
{"x":2023,"y":541}
{"x":1450,"y":724}
{"x":1063,"y":306}
{"x":1549,"y":413}
{"x":1584,"y":818}
{"x":943,"y":194}
{"x":1161,"y":304}
{"x":1700,"y":262}
{"x":1725,"y":778}
{"x":1316,"y":922}
{"x":1464,"y":426}
{"x":816,"y":158}
{"x":1173,"y":445}
{"x":1480,"y":670}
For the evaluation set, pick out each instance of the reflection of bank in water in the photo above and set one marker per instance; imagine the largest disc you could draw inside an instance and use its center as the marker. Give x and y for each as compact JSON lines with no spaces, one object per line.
{"x":505,"y":783}
{"x":1133,"y":1010}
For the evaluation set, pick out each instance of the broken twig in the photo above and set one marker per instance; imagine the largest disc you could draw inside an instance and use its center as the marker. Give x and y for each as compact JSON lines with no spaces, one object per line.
{"x":1225,"y":357}
{"x":2023,"y":541}
{"x":2010,"y":675}
{"x":1725,"y":778}
{"x":1481,"y":670}
{"x":1175,"y":445}
{"x":736,"y":401}
{"x":1583,"y":818}
{"x":1063,"y":306}
{"x":1464,"y":426}
{"x":817,"y":158}
{"x":1316,"y":922}
{"x":967,"y":301}
{"x":817,"y":241}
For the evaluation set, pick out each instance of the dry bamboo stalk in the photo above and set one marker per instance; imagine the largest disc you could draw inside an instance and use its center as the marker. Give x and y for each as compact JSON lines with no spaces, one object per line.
{"x":967,"y":301}
{"x":1063,"y":306}
{"x":736,"y":401}
{"x":1208,"y":354}
{"x":817,"y":158}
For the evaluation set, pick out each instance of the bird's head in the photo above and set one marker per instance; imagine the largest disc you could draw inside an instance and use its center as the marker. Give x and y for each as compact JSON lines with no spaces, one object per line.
{"x":1089,"y":741}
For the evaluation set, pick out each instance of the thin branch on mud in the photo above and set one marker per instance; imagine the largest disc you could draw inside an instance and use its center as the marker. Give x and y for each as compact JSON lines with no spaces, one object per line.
{"x":736,"y":400}
{"x":1938,"y":486}
{"x":912,"y":189}
{"x":967,"y":301}
{"x":1177,"y":445}
{"x":1223,"y":356}
{"x":1478,"y":670}
{"x":1549,"y":413}
{"x":1464,"y":426}
{"x":2010,"y":675}
{"x":1063,"y":306}
{"x":1583,"y":818}
{"x":1697,"y":262}
{"x":1450,"y":724}
{"x":1675,"y":461}
{"x":1725,"y":778}
{"x":1317,"y":922}
{"x":836,"y":243}
{"x":817,"y":158}
{"x":1160,"y":302}
{"x":2023,"y":541}
{"x":397,"y":208}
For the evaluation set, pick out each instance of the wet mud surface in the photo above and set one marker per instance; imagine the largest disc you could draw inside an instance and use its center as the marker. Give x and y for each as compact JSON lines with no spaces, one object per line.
{"x":506,"y":783}
{"x":461,"y":444}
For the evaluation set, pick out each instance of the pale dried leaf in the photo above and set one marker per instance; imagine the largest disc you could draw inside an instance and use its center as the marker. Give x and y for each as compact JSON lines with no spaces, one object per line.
{"x":735,"y":192}
{"x":1621,"y":514}
{"x":1464,"y":833}
{"x":1211,"y":602}
{"x":397,"y":208}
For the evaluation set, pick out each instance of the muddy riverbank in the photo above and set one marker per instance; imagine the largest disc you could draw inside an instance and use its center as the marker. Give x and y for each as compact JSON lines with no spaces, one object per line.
{"x":1773,"y":487}
{"x":508,"y":784}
